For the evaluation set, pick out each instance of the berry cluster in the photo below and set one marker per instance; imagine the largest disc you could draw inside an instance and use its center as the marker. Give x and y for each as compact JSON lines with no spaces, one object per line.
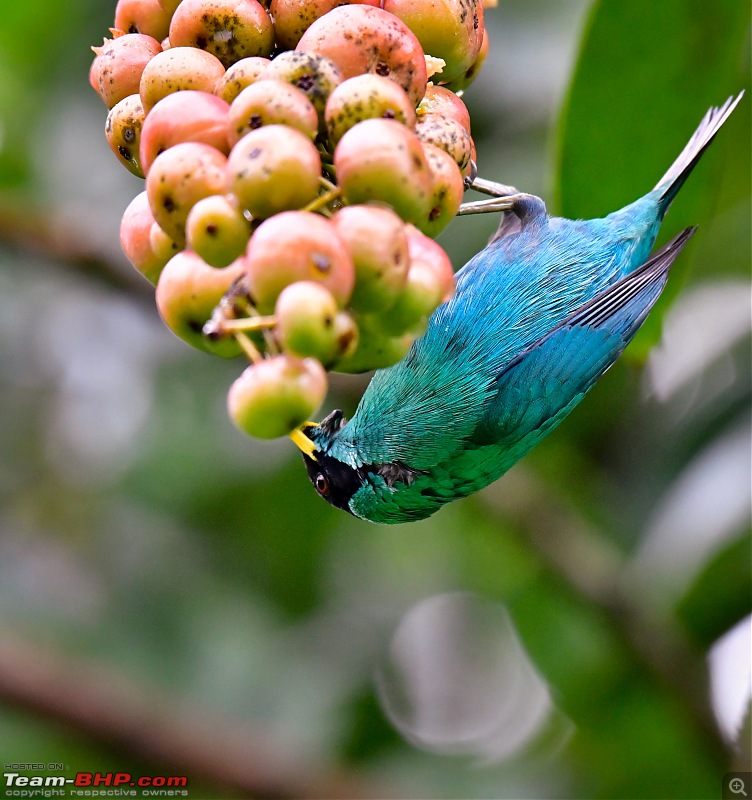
{"x":298,"y":163}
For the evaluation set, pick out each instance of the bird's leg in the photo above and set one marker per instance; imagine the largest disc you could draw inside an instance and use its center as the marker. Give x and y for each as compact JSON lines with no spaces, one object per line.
{"x":491,"y":187}
{"x":472,"y":181}
{"x":497,"y":203}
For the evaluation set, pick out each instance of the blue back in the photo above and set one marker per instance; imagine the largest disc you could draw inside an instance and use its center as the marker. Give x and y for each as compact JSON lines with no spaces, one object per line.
{"x":426,"y":407}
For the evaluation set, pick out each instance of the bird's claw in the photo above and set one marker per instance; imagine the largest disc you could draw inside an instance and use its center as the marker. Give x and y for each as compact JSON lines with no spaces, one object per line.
{"x":470,"y":179}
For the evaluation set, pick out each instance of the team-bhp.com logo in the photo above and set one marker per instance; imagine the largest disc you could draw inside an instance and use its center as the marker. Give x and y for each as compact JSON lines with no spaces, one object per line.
{"x":95,"y":784}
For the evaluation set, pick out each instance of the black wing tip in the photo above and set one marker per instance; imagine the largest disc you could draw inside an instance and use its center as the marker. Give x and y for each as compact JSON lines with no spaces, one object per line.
{"x":714,"y":119}
{"x":654,"y":271}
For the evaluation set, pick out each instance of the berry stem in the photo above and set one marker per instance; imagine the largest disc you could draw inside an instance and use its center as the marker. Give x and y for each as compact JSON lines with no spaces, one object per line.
{"x":248,"y":324}
{"x":249,"y":348}
{"x":324,"y":199}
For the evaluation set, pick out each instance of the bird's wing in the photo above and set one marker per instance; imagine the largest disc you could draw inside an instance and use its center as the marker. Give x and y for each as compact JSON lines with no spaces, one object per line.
{"x":539,"y":387}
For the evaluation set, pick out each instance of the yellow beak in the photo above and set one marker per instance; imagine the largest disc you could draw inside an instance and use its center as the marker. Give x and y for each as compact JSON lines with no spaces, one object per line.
{"x":302,"y":441}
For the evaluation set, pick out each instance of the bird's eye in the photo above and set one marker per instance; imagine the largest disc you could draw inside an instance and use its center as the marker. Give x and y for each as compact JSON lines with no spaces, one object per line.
{"x":322,"y":485}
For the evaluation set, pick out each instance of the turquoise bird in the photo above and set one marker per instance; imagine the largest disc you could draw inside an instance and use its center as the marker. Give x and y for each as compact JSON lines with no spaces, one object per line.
{"x":538,"y":316}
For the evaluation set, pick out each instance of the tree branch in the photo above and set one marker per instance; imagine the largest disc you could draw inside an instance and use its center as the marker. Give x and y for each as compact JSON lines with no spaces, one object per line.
{"x":29,"y":231}
{"x":96,"y":703}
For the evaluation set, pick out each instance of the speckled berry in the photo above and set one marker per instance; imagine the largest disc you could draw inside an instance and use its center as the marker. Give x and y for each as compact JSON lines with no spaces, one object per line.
{"x":271,"y":102}
{"x":315,"y":75}
{"x":217,"y":230}
{"x":448,"y":29}
{"x":188,"y":290}
{"x":176,"y":70}
{"x":448,"y":134}
{"x":447,"y":190}
{"x":366,"y":97}
{"x":121,"y":63}
{"x":240,"y":75}
{"x":229,"y":29}
{"x":297,"y":246}
{"x":179,"y":178}
{"x":273,"y":169}
{"x":377,"y":242}
{"x":363,"y":39}
{"x":123,"y":132}
{"x":382,"y":160}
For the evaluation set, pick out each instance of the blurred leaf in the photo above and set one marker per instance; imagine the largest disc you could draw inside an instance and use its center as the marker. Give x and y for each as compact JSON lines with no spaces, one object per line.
{"x":721,"y":595}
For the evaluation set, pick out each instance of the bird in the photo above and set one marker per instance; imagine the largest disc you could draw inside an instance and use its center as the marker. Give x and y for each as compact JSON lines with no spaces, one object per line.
{"x":537,"y":317}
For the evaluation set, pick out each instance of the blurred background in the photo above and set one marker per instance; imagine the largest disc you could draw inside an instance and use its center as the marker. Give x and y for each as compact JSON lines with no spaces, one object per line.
{"x":176,"y":600}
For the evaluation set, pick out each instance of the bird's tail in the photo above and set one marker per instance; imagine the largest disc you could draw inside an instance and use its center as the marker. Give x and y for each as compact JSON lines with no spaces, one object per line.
{"x":678,"y":172}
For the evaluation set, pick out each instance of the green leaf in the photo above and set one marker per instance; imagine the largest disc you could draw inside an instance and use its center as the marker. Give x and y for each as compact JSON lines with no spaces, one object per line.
{"x":646,"y":74}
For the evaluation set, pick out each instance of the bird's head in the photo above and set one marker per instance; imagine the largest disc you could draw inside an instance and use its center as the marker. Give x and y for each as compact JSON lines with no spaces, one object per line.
{"x":333,"y":479}
{"x":339,"y":482}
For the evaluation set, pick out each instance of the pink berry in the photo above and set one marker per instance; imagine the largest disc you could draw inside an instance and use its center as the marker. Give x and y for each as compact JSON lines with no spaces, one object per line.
{"x":122,"y":61}
{"x":187,"y":116}
{"x":135,"y":239}
{"x":381,"y":160}
{"x":142,"y":16}
{"x":188,"y":290}
{"x":362,"y":39}
{"x":377,"y":242}
{"x":297,"y":246}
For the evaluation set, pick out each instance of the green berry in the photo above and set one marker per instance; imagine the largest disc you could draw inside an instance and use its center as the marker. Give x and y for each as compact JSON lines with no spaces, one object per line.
{"x":306,"y":313}
{"x":277,"y":395}
{"x":217,"y":230}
